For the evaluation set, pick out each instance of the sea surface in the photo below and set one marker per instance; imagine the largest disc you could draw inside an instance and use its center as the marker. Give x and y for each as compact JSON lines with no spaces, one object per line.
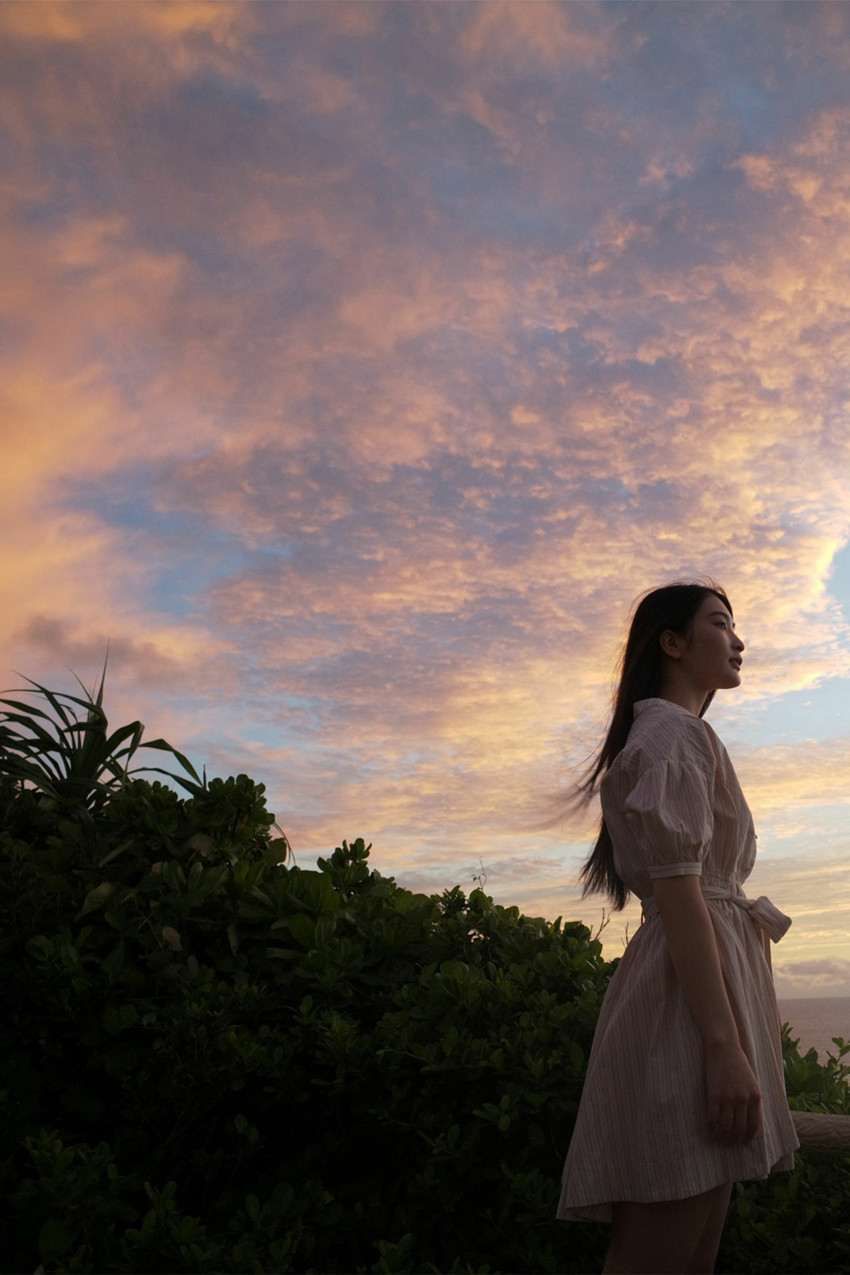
{"x":815,"y":1020}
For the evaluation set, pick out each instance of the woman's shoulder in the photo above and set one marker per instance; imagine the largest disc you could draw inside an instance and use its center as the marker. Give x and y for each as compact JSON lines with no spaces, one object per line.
{"x":665,"y":732}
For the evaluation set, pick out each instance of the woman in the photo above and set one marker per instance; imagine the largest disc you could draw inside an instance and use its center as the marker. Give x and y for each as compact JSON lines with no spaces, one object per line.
{"x":684,"y":1092}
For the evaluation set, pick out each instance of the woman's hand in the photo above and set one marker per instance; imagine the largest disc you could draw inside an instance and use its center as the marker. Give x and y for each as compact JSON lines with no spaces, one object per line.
{"x":734,"y":1098}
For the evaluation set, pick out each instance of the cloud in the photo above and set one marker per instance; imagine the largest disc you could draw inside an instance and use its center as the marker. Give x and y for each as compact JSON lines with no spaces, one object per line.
{"x":365,"y":362}
{"x":547,"y":34}
{"x":819,"y":977}
{"x":790,"y":778}
{"x":155,"y":662}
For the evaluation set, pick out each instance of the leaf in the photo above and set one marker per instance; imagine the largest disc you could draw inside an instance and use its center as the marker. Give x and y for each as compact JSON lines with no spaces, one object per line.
{"x":302,"y":928}
{"x":325,"y":926}
{"x":117,"y":1018}
{"x":113,"y":854}
{"x":172,"y":938}
{"x":96,"y":898}
{"x":54,"y":1239}
{"x":163,"y":746}
{"x":114,"y":962}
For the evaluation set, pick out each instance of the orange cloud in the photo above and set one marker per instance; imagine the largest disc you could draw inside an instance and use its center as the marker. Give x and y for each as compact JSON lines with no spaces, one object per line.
{"x":546,"y":32}
{"x":55,"y":22}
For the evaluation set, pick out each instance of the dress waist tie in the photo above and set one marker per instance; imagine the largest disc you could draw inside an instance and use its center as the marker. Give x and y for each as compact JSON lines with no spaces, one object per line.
{"x":761,"y":910}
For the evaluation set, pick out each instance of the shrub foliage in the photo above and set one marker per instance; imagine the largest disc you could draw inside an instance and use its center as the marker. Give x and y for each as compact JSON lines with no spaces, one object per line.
{"x":219,"y":1061}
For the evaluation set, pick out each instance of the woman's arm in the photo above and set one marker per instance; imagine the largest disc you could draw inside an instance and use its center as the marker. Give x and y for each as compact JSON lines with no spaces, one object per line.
{"x":734,"y":1100}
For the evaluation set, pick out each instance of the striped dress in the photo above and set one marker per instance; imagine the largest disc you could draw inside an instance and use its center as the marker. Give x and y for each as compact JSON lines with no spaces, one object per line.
{"x":673,"y":806}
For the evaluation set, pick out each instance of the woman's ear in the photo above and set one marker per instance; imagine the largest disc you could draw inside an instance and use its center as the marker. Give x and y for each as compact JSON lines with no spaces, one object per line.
{"x":671,"y":644}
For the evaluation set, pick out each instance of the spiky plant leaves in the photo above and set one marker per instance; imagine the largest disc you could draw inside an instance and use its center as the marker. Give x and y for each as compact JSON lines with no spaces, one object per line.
{"x":69,"y":755}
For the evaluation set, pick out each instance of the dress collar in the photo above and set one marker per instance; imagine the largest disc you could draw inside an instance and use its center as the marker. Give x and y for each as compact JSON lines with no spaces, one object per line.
{"x":657,"y":702}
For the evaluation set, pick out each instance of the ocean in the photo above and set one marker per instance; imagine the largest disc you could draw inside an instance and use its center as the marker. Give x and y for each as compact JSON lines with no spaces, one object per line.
{"x":816,"y":1019}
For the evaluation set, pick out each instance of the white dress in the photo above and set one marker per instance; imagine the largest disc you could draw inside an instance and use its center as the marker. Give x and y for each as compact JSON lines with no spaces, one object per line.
{"x":673,"y":806}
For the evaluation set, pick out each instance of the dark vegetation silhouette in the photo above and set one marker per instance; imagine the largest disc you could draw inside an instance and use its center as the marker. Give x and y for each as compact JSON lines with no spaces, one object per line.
{"x":218,"y":1061}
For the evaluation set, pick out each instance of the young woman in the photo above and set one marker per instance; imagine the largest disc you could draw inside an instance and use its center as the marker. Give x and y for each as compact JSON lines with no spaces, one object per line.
{"x":684,"y":1092}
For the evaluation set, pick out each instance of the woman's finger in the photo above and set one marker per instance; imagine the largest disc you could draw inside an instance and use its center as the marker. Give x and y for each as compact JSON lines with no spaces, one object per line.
{"x":753,"y":1118}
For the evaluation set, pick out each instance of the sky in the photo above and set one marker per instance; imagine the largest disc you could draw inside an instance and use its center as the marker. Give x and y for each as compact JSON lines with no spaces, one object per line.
{"x":361,"y":363}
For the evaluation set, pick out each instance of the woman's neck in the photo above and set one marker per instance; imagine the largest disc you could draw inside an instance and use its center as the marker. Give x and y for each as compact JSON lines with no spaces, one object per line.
{"x":682,"y":691}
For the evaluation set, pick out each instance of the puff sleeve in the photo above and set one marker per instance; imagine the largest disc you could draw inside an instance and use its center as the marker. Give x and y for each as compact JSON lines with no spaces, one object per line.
{"x":669,"y":813}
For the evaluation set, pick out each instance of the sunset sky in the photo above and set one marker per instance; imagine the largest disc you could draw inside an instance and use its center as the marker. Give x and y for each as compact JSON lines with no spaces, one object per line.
{"x":362,"y":362}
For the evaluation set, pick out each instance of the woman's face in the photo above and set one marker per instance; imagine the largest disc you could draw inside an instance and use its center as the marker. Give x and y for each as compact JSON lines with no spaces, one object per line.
{"x":711,"y":655}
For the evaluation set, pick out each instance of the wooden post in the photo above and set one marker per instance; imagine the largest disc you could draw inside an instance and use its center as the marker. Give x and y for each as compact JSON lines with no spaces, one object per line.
{"x":819,"y":1131}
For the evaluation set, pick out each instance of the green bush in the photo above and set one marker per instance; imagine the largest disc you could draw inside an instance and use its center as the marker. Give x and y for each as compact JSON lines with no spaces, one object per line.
{"x":219,"y":1061}
{"x":249,"y":1066}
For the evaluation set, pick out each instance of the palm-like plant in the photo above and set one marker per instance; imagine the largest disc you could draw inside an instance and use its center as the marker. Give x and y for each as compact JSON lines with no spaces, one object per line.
{"x":68,"y":753}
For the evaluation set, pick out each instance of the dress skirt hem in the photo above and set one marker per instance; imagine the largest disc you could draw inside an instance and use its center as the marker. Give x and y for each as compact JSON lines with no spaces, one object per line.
{"x":602,"y":1211}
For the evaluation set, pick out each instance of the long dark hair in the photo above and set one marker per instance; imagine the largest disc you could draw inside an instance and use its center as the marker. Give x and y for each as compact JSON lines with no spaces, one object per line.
{"x":671,"y":607}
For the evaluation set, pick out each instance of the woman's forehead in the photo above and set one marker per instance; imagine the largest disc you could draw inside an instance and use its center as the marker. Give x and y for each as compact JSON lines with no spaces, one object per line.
{"x":712,"y":605}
